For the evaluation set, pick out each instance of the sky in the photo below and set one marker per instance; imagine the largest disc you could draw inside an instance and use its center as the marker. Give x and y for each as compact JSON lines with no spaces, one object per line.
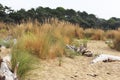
{"x":101,"y":8}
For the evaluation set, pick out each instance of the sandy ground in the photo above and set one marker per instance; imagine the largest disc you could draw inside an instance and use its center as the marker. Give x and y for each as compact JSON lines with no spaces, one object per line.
{"x":78,"y":68}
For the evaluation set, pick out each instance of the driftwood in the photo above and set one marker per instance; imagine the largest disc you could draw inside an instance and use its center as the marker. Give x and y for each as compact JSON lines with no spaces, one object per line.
{"x":84,"y":51}
{"x":81,"y":50}
{"x":105,"y":58}
{"x":6,"y":72}
{"x":72,"y":48}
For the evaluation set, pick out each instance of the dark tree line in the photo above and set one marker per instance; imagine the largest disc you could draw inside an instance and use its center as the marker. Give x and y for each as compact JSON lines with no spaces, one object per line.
{"x":84,"y":19}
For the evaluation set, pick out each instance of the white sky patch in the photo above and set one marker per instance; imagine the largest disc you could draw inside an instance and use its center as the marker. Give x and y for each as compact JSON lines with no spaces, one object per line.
{"x":101,"y":8}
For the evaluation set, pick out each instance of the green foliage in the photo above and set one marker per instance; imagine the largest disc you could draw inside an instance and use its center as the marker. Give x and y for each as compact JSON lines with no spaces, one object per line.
{"x":84,"y":19}
{"x":25,"y":60}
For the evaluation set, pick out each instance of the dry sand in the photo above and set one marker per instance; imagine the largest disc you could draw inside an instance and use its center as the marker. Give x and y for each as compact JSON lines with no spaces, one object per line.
{"x":78,"y":68}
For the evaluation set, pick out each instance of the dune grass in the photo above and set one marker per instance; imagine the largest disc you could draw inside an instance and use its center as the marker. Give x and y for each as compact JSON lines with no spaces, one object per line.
{"x":117,"y":42}
{"x":88,"y":33}
{"x":114,"y":35}
{"x":94,"y":34}
{"x":98,"y":34}
{"x":48,"y":41}
{"x":25,"y":61}
{"x":111,"y":34}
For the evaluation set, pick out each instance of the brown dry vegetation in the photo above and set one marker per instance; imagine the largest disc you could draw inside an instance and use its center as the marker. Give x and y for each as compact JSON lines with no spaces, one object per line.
{"x":110,"y":34}
{"x":48,"y":41}
{"x":117,"y":42}
{"x":44,"y":40}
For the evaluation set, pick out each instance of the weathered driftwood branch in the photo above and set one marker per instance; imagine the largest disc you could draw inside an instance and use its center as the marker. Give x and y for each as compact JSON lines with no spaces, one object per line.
{"x":72,"y":48}
{"x":5,"y":69}
{"x":105,"y":58}
{"x":81,"y":50}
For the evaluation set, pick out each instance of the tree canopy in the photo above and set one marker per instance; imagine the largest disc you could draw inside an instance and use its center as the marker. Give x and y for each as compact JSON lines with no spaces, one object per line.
{"x":84,"y":19}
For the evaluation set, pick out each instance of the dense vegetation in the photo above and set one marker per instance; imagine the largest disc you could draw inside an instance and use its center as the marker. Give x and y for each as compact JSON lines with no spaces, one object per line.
{"x":48,"y":41}
{"x":44,"y":32}
{"x":41,"y":14}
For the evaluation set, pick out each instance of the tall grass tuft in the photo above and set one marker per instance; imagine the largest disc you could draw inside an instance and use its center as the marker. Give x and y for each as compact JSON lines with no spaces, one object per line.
{"x":117,"y":42}
{"x":44,"y":46}
{"x":47,"y":40}
{"x":25,"y":61}
{"x":98,"y":35}
{"x":3,"y":30}
{"x":88,"y":33}
{"x":95,"y":34}
{"x":110,"y":34}
{"x":79,"y":32}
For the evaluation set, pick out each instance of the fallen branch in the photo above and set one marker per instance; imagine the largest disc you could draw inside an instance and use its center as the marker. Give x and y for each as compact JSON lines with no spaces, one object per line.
{"x":5,"y":70}
{"x":81,"y":50}
{"x":72,"y":48}
{"x":105,"y":58}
